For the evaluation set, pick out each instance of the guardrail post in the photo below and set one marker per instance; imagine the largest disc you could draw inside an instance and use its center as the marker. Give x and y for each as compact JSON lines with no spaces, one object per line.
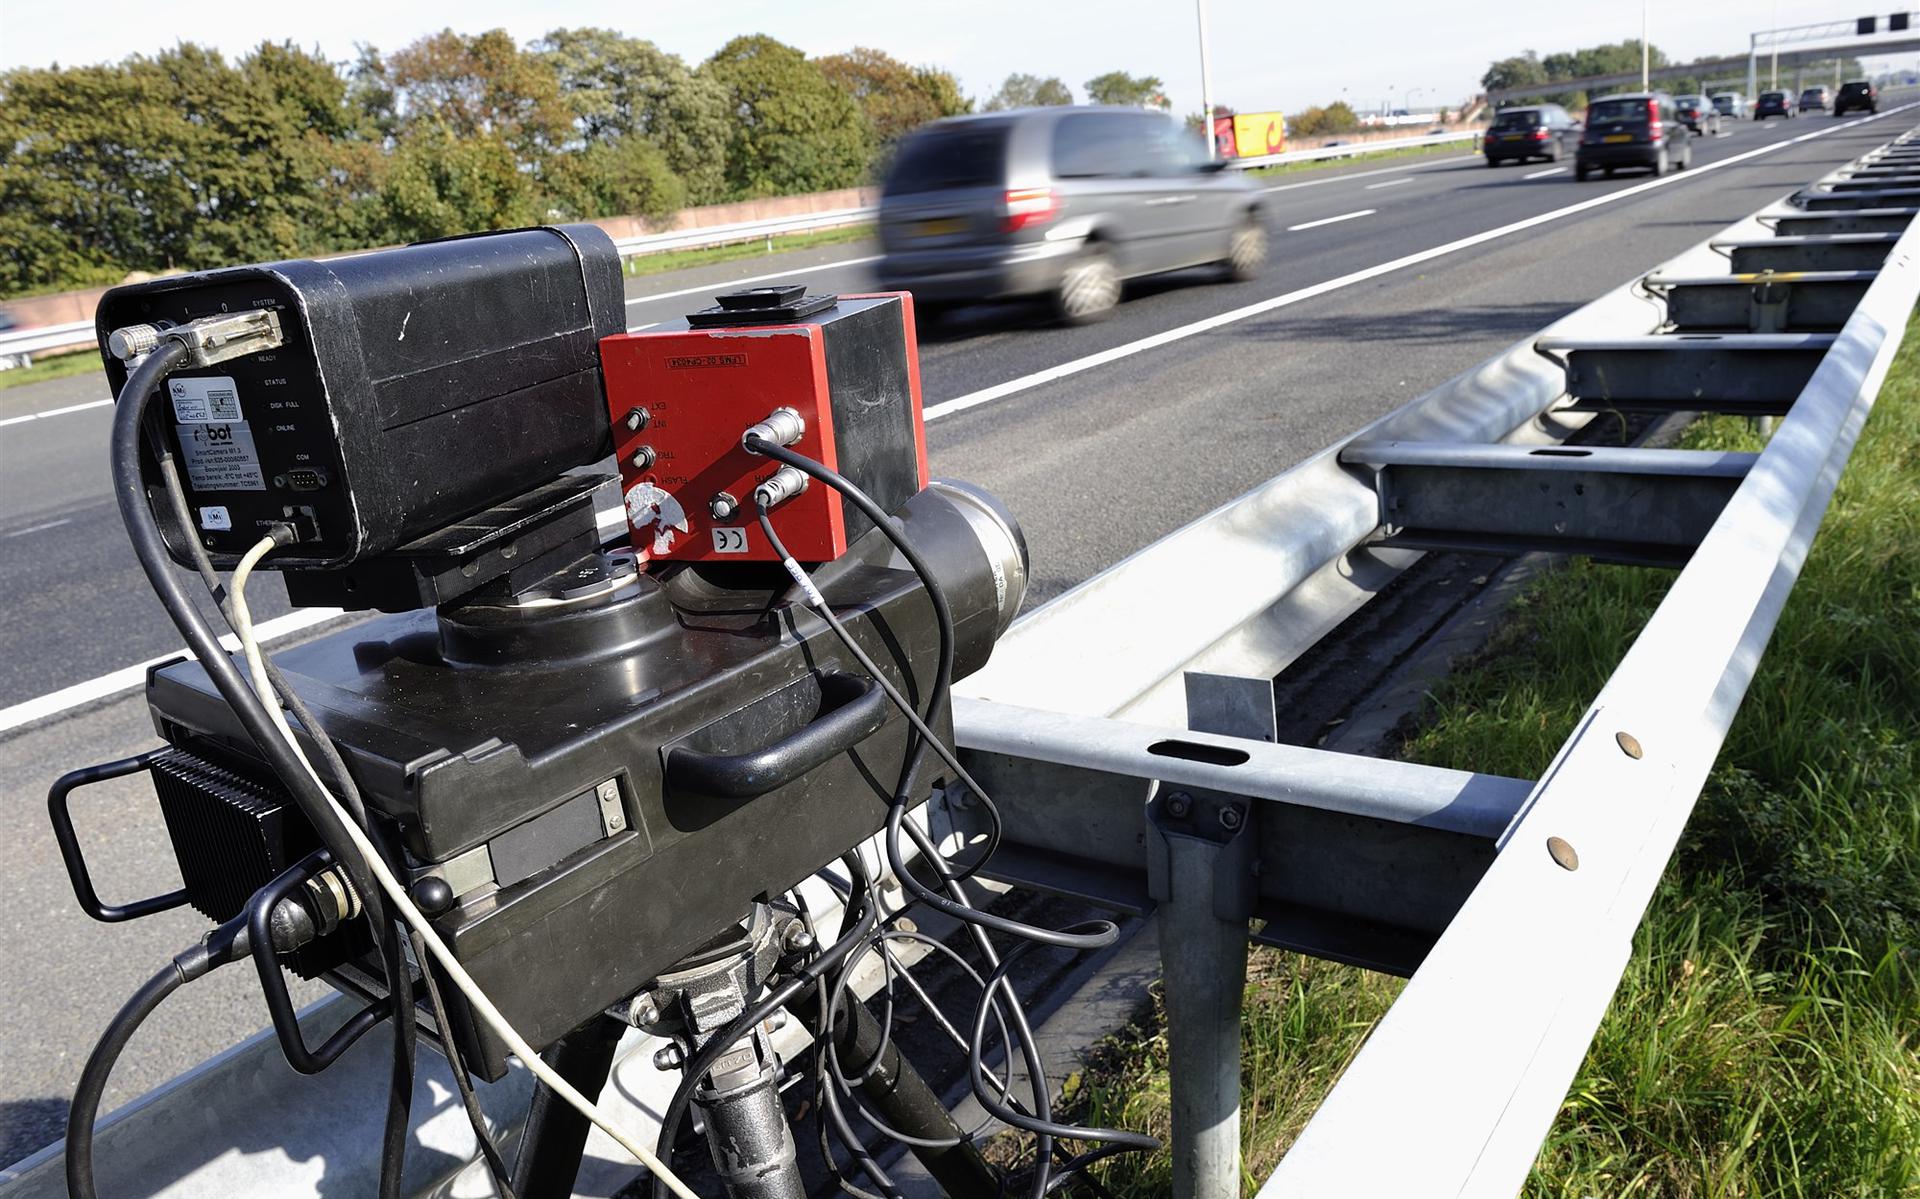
{"x":1201,"y":873}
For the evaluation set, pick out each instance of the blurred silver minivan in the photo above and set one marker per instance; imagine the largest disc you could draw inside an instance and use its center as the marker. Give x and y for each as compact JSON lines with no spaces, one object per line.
{"x":1066,"y":203}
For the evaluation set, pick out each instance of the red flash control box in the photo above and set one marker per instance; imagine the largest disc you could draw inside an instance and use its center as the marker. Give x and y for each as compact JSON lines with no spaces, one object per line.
{"x":680,"y":399}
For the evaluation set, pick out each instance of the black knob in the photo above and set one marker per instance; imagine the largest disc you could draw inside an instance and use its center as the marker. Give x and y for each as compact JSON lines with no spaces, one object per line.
{"x":433,"y":894}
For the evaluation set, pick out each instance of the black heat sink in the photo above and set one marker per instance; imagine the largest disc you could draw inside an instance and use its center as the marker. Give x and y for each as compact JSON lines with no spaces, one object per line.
{"x":232,"y":834}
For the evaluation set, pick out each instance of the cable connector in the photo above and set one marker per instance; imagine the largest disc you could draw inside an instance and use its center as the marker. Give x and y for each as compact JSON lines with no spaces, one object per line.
{"x":782,"y":426}
{"x":779,"y":487}
{"x":209,"y":340}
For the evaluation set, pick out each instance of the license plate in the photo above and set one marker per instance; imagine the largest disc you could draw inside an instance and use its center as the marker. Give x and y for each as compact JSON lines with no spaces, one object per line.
{"x":940,"y":228}
{"x":1619,"y":137}
{"x":1513,"y":137}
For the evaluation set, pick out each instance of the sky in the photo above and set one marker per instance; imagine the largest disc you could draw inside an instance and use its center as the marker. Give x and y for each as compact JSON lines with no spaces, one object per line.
{"x":1263,"y":55}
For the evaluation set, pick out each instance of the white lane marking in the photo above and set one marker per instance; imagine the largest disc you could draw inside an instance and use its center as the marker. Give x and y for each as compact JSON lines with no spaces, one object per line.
{"x":1332,"y":220}
{"x":725,"y":284}
{"x":1374,"y":187}
{"x":16,"y":420}
{"x":1000,"y":391}
{"x":642,"y":328}
{"x":1545,"y":173}
{"x":1412,"y":166}
{"x":130,"y":677}
{"x":39,"y":528}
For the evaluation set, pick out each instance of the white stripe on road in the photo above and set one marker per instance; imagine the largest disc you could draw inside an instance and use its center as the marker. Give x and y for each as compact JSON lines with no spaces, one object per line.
{"x":1332,"y":220}
{"x":39,"y":528}
{"x":15,"y":420}
{"x":132,"y":676}
{"x":1374,"y":187}
{"x":1000,"y":391}
{"x":1545,"y":173}
{"x":729,"y":283}
{"x":1342,"y":178}
{"x":129,"y":677}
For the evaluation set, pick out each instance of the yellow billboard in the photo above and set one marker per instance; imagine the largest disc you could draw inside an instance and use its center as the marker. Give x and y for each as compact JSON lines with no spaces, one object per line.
{"x":1257,"y":133}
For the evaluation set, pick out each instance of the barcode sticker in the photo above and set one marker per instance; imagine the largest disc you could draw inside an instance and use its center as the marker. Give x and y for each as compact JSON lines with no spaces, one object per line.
{"x":200,"y":401}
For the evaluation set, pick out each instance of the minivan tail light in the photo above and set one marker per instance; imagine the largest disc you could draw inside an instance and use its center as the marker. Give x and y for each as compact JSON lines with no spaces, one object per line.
{"x":1653,"y":120}
{"x":1029,"y":206}
{"x":1540,"y":133}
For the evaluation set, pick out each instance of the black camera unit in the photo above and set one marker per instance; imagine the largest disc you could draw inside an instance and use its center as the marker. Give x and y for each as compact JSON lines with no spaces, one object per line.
{"x":586,"y":767}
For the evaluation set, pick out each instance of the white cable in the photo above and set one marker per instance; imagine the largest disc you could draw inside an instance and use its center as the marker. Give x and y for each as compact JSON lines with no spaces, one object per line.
{"x":243,"y":628}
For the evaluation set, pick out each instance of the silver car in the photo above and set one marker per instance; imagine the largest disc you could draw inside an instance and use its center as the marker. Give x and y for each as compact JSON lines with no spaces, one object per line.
{"x":1066,"y":203}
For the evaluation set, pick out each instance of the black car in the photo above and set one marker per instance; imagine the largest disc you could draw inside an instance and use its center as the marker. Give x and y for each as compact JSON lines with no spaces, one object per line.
{"x":1641,"y":129}
{"x":1773,"y":104}
{"x":1698,"y":114}
{"x":1541,"y":131}
{"x":1815,"y":99}
{"x":1859,"y":94}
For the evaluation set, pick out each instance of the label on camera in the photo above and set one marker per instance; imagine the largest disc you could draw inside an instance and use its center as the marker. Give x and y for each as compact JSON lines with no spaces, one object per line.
{"x":221,"y":457}
{"x":729,"y":541}
{"x":216,"y":519}
{"x":196,"y":401}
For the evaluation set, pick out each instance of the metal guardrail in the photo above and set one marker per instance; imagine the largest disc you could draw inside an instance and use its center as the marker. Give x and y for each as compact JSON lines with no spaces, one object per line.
{"x":39,"y":340}
{"x":1127,"y":751}
{"x":1130,"y":754}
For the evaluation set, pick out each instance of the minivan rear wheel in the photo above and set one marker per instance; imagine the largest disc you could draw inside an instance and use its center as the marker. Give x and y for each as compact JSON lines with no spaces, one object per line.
{"x":1246,"y":250}
{"x":1089,"y":288}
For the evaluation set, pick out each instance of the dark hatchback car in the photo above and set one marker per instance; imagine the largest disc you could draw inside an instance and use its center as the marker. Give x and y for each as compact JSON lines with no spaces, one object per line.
{"x":1773,"y":104}
{"x":1642,"y":129}
{"x":1699,"y":114}
{"x":1860,"y":95}
{"x":1815,"y":99}
{"x":1065,"y":203}
{"x":1519,"y":134}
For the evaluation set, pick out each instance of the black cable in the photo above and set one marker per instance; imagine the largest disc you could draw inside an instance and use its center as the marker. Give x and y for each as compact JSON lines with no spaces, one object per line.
{"x":496,"y":1165}
{"x":808,"y":975}
{"x":218,"y":947}
{"x":150,"y":549}
{"x":387,"y":936}
{"x":1098,"y":933}
{"x":157,"y":563}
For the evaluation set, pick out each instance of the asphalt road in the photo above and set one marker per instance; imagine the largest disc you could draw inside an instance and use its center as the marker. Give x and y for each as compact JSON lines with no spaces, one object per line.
{"x":1098,"y":442}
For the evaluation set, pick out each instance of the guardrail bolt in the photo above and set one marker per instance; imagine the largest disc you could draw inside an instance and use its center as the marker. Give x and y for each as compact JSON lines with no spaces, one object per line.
{"x":1179,"y":804}
{"x":1229,"y":818}
{"x":1629,"y":745}
{"x":1563,"y":854}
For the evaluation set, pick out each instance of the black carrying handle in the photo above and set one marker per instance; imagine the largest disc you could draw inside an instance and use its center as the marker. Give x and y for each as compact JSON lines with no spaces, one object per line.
{"x":273,"y":984}
{"x":858,"y":710}
{"x":76,"y":861}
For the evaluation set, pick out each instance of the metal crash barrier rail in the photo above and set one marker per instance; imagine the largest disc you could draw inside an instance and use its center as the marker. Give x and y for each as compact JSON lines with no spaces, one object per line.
{"x":1131,"y":752}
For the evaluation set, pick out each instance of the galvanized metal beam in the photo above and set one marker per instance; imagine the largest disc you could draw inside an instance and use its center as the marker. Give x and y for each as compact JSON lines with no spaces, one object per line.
{"x":1362,"y":859}
{"x":1614,"y":503}
{"x":1863,"y":220}
{"x":1792,"y":301}
{"x":1835,"y":252}
{"x":1819,"y":201}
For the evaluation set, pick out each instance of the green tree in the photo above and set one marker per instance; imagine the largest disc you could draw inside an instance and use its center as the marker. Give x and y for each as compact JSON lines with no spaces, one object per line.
{"x":480,"y":85}
{"x":1028,"y":91}
{"x":1522,"y":70}
{"x":440,"y":182}
{"x":1118,"y":87}
{"x":626,"y":175}
{"x":617,"y":87}
{"x":793,"y":131}
{"x":178,"y":160}
{"x":895,"y":97}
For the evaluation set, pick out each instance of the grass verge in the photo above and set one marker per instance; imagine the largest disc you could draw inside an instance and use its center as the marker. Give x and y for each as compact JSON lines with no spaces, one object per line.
{"x":1765,"y":1038}
{"x":78,"y":362}
{"x":675,"y":260}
